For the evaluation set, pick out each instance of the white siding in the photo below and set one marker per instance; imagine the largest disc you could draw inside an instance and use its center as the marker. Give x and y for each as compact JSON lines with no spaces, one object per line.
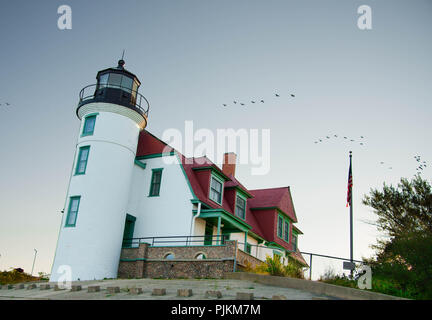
{"x":170,"y":213}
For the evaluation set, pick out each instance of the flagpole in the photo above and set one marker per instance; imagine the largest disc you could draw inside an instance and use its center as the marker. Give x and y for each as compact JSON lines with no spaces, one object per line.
{"x":351,"y":220}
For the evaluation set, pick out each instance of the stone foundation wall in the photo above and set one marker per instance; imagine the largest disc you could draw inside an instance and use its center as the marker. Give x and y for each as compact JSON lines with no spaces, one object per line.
{"x":149,"y":262}
{"x":246,"y":260}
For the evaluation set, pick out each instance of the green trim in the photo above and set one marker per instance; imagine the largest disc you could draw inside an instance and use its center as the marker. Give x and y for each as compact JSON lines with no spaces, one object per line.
{"x":130,"y":217}
{"x":235,"y":221}
{"x":91,"y":114}
{"x":157,"y":194}
{"x":235,"y":205}
{"x":187,"y":180}
{"x":79,"y":160}
{"x":284,"y":220}
{"x":156,"y":155}
{"x":86,"y":118}
{"x":67,"y":225}
{"x":140,"y":164}
{"x":284,"y":230}
{"x":279,"y":228}
{"x":221,"y":181}
{"x":218,"y":230}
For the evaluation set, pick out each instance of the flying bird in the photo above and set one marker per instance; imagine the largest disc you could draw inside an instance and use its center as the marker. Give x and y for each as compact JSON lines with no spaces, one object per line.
{"x":253,"y":101}
{"x":277,"y":95}
{"x":262,"y":101}
{"x":327,"y":137}
{"x":292,"y":95}
{"x":242,"y":104}
{"x":224,"y":105}
{"x":235,"y":101}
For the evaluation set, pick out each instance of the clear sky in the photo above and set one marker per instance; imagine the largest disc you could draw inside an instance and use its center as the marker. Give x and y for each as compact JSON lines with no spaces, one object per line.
{"x":191,"y":57}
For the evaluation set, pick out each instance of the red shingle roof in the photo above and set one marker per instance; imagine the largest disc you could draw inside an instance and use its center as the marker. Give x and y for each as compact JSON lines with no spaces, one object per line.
{"x":198,"y":171}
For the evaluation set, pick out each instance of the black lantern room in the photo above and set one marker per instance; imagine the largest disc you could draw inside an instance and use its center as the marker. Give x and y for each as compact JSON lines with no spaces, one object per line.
{"x":117,"y":86}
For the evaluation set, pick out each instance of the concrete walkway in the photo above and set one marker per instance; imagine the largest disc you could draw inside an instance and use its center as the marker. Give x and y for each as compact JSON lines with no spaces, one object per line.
{"x":227,"y":287}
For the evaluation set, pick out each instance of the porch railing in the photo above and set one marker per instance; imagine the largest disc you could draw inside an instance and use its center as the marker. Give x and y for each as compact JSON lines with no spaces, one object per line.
{"x":205,"y":240}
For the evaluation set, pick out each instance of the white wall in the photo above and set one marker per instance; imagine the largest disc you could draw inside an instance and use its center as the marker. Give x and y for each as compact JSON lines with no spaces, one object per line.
{"x":170,"y":213}
{"x":92,"y":247}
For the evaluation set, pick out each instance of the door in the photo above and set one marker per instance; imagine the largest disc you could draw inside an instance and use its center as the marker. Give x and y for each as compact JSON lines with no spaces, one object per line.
{"x":208,"y":234}
{"x":128,"y":231}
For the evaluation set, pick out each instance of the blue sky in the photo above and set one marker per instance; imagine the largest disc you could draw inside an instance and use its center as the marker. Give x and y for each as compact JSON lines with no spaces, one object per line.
{"x":191,"y":57}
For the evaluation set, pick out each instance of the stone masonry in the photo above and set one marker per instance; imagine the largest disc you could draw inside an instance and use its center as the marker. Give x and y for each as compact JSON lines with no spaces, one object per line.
{"x":150,"y":262}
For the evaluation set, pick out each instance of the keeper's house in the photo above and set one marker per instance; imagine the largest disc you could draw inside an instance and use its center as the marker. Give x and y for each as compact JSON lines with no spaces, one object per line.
{"x":138,"y":208}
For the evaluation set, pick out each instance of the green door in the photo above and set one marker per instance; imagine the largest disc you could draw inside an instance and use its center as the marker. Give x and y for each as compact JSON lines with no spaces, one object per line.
{"x":208,"y":234}
{"x":128,"y":231}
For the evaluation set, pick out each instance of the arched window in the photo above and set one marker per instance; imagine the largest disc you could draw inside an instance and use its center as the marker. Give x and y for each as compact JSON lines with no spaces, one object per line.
{"x":169,"y":256}
{"x":200,"y":256}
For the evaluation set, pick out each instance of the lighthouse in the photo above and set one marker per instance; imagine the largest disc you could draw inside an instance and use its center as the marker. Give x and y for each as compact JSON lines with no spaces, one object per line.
{"x":112,"y":114}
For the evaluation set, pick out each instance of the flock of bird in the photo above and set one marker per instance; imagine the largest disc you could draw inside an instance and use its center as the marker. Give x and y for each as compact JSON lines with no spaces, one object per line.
{"x":345,"y":138}
{"x":421,"y":164}
{"x":277,"y":95}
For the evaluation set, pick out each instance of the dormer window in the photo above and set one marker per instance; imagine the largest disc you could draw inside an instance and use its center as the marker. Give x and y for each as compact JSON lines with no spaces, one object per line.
{"x":294,"y":242}
{"x":240,"y":207}
{"x":216,"y":186}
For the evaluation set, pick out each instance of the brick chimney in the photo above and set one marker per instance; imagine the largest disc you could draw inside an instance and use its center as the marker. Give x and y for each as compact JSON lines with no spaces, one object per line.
{"x":229,"y":164}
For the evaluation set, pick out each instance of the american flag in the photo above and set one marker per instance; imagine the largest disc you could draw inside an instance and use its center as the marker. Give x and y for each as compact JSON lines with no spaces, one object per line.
{"x":350,"y":184}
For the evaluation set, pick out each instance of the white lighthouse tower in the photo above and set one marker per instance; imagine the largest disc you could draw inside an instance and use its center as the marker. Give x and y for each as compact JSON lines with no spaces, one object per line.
{"x":112,"y":114}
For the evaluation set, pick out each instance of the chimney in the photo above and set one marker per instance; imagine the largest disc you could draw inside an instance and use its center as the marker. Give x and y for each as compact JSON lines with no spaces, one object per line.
{"x":229,"y":164}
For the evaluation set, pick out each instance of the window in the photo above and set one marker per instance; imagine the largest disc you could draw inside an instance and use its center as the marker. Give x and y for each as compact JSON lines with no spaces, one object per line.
{"x":169,"y":256}
{"x":89,"y":125}
{"x":115,"y":80}
{"x":279,"y":226}
{"x":103,"y":80}
{"x":286,"y":230}
{"x":216,"y":190}
{"x":82,"y":160}
{"x":155,"y":182}
{"x":200,"y":256}
{"x":294,"y":242}
{"x":240,"y":209}
{"x":72,"y":211}
{"x":127,"y":83}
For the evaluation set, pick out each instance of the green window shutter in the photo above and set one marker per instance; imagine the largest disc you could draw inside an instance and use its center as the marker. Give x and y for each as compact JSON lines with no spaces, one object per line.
{"x":72,"y":211}
{"x":89,"y":125}
{"x":82,"y":160}
{"x":155,"y":182}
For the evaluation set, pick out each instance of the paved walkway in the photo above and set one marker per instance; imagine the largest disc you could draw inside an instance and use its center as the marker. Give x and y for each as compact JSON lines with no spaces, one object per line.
{"x":228,"y":288}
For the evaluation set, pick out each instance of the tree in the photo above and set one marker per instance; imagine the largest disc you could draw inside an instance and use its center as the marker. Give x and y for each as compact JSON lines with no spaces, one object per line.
{"x":405,"y":216}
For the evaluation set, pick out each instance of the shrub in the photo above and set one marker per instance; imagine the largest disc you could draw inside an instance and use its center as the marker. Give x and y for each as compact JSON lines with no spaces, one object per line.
{"x":276,"y":267}
{"x":16,"y":276}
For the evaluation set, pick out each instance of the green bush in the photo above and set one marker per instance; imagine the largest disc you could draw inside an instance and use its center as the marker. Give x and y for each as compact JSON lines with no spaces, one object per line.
{"x":275,"y":266}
